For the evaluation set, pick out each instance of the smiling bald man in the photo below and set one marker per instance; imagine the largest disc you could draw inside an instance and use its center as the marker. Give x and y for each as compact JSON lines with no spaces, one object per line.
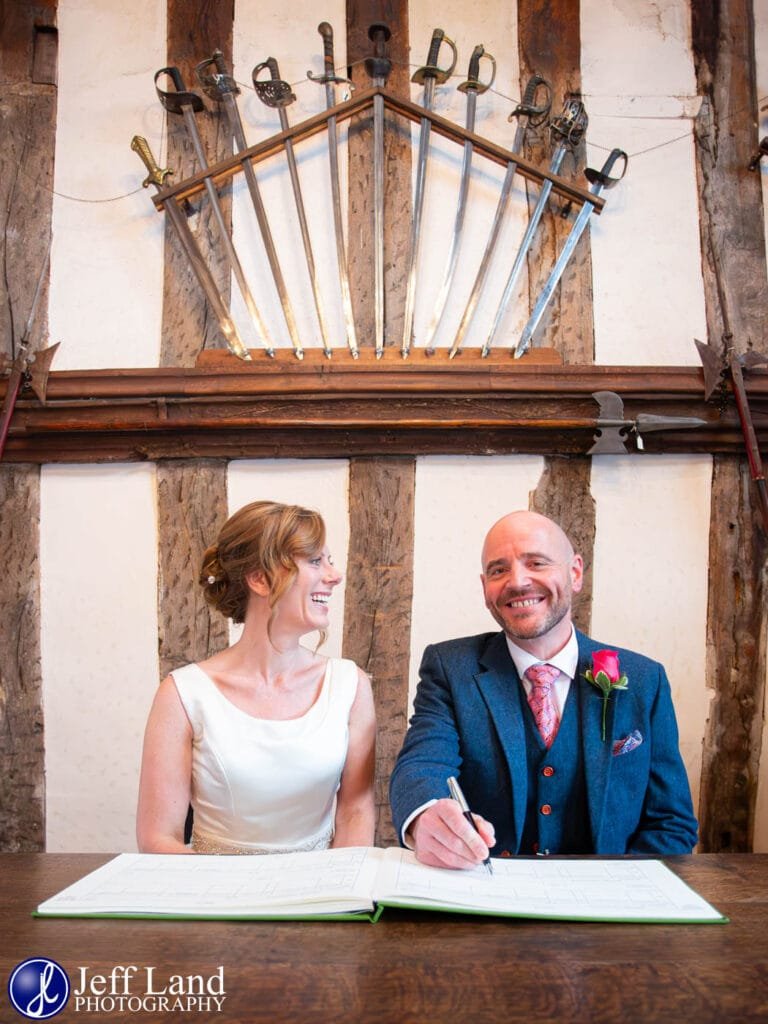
{"x":550,"y":761}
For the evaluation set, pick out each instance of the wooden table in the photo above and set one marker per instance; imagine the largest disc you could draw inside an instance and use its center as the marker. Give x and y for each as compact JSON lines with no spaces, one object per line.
{"x":414,"y":967}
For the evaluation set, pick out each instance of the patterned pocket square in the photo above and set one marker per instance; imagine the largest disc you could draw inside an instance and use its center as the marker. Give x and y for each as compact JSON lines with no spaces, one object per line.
{"x":628,"y":744}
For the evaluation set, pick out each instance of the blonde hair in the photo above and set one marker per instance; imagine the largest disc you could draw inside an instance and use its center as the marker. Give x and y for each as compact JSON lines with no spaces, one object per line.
{"x":265,"y":537}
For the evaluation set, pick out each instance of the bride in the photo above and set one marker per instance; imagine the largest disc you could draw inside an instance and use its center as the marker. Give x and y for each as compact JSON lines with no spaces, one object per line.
{"x":270,"y":743}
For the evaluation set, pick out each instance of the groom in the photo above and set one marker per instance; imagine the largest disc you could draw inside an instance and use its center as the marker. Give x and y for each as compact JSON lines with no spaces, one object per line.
{"x":549,"y":761}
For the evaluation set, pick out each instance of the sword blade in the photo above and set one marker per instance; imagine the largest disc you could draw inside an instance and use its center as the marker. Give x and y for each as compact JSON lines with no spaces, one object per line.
{"x":601,"y":181}
{"x":525,"y":245}
{"x":427,"y":76}
{"x":527,"y":112}
{"x":226,"y":238}
{"x":227,"y":325}
{"x":418,"y":204}
{"x":293,"y":172}
{"x":378,"y":67}
{"x":236,"y":126}
{"x":328,"y":79}
{"x":338,"y":224}
{"x":453,"y":252}
{"x":276,"y":93}
{"x":524,"y":342}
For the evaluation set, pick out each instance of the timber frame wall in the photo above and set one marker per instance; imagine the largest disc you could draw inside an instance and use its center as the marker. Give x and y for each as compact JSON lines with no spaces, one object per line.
{"x":198,"y":410}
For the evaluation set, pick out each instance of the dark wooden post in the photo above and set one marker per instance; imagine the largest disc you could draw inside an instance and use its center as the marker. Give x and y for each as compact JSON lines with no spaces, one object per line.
{"x":28,"y":41}
{"x":361,"y":14}
{"x":192,"y":494}
{"x":734,"y":270}
{"x":381,"y":491}
{"x":549,"y":42}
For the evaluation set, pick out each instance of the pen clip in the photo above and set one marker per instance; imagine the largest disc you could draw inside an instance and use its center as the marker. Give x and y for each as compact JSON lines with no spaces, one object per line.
{"x":457,"y":795}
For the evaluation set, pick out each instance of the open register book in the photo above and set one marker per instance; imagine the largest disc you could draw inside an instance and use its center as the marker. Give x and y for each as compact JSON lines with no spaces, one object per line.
{"x":358,"y":883}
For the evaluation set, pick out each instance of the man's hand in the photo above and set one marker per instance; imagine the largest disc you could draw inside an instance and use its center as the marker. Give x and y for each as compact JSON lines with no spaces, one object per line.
{"x":443,"y":838}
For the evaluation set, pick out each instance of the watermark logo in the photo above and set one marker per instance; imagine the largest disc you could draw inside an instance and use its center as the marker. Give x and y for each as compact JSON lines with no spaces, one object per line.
{"x":38,"y":988}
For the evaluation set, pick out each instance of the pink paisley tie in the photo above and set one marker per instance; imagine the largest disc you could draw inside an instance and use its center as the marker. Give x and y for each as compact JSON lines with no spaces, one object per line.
{"x":542,"y":702}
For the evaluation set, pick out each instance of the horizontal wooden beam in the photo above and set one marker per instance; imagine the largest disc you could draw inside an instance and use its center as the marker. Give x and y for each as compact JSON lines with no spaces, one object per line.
{"x":319,"y":408}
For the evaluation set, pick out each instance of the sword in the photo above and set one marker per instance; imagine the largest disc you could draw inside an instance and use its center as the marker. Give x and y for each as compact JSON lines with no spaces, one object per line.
{"x":600,"y":179}
{"x":20,"y":373}
{"x":275,"y":93}
{"x":613,"y":429}
{"x":187,"y":104}
{"x":471,"y":88}
{"x":428,"y":76}
{"x":329,"y":78}
{"x":569,"y":127}
{"x":156,"y":176}
{"x":528,"y":112}
{"x":378,"y":67}
{"x":714,"y":372}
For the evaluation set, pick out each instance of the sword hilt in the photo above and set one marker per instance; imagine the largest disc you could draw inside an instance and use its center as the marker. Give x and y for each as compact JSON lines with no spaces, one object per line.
{"x":602,"y":179}
{"x":218,"y":84}
{"x":329,"y":71}
{"x":157,"y":175}
{"x":272,"y":91}
{"x":473,"y":73}
{"x":379,"y":65}
{"x":536,"y":113}
{"x":569,"y":127}
{"x":431,"y":69}
{"x":175,"y":101}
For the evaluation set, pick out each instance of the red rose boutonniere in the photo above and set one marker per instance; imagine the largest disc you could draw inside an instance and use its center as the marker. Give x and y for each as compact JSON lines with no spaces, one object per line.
{"x":607,"y":676}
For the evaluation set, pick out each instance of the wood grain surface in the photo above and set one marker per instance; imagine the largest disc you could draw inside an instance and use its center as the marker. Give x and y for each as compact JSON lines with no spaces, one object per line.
{"x":413,"y":967}
{"x":736,"y":295}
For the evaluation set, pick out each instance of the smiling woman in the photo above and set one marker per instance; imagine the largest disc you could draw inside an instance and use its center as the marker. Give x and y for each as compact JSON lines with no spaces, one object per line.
{"x":271,"y":743}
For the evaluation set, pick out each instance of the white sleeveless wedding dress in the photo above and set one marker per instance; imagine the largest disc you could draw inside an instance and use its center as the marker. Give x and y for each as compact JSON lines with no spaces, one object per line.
{"x":260,"y":785}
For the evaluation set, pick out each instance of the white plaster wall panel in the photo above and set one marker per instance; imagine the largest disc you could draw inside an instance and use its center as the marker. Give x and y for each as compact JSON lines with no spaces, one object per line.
{"x":98,"y":553}
{"x":107,"y":257}
{"x":495,"y":27}
{"x":639,"y":88}
{"x":639,"y":49}
{"x":290,"y":36}
{"x":458,"y":499}
{"x":650,"y":575}
{"x":761,"y":53}
{"x":321,"y":485}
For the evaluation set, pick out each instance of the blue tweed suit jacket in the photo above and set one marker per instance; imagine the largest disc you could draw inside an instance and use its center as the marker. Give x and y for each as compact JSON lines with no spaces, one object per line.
{"x":468,"y":722}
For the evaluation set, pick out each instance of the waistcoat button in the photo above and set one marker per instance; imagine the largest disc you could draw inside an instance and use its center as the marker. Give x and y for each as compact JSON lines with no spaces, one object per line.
{"x":546,"y":809}
{"x":548,"y":771}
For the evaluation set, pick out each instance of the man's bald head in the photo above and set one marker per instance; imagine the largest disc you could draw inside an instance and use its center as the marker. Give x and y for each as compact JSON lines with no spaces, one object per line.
{"x":530,"y":573}
{"x":516,"y":522}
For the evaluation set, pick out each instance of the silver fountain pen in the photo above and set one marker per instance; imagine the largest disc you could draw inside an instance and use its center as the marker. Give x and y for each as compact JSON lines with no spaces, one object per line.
{"x":458,"y":796}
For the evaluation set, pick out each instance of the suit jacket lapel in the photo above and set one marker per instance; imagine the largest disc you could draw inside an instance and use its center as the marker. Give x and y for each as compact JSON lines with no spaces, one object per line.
{"x":497,"y":679}
{"x":596,"y":751}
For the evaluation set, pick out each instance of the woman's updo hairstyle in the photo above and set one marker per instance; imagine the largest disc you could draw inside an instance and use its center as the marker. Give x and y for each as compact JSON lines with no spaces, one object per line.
{"x":266,"y":537}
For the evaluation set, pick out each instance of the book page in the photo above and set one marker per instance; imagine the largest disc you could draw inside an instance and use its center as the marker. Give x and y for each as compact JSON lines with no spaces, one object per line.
{"x":288,"y":884}
{"x":570,"y":888}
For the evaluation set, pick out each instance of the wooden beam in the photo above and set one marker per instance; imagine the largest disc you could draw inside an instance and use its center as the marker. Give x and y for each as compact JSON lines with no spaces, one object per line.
{"x":377,"y":613}
{"x":381,"y":490}
{"x":192,"y":494}
{"x":318,"y":408}
{"x":192,"y":509}
{"x":361,"y":14}
{"x":27,"y":128}
{"x":549,"y":44}
{"x":736,"y":293}
{"x":195,"y":29}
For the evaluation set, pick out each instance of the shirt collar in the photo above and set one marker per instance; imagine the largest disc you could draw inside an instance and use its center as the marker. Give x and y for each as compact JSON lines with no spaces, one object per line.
{"x":566,"y":659}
